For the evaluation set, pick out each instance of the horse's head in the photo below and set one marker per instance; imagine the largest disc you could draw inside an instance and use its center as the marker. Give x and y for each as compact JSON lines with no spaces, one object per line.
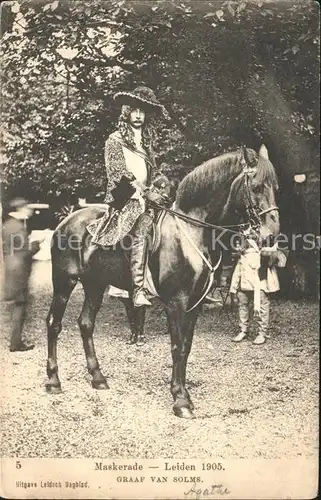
{"x":252,"y":193}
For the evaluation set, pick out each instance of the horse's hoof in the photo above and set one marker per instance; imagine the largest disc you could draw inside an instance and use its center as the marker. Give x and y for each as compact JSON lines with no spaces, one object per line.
{"x":183,"y":412}
{"x":100,"y":385}
{"x":139,"y":341}
{"x":53,"y":389}
{"x":190,"y":402}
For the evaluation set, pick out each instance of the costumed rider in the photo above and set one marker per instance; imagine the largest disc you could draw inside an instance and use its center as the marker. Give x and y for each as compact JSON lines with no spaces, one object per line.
{"x":131,"y":170}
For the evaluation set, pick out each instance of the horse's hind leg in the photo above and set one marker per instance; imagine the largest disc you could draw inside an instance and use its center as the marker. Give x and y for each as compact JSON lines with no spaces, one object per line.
{"x":63,"y":286}
{"x":136,"y":319}
{"x":94,"y":292}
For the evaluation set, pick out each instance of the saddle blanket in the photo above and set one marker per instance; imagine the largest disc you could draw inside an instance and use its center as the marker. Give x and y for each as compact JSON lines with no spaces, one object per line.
{"x":114,"y":225}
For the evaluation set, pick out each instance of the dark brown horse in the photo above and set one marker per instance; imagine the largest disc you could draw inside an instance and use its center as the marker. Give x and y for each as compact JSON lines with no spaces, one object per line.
{"x":234,"y":188}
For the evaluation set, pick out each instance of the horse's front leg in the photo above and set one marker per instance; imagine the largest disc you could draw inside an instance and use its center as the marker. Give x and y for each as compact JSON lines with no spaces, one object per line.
{"x":182,"y":326}
{"x":136,"y":319}
{"x":94,"y":292}
{"x":63,"y":286}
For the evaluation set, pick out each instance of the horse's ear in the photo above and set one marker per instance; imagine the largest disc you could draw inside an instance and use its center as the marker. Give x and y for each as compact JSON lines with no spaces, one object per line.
{"x":250,"y":157}
{"x":245,"y":154}
{"x":263,"y":152}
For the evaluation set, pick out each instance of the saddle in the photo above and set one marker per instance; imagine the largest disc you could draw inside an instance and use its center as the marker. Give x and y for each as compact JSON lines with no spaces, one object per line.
{"x":154,"y":232}
{"x":99,"y":227}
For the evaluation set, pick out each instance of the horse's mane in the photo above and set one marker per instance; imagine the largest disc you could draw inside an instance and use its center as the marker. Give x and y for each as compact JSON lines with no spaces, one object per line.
{"x":198,"y":188}
{"x":266,"y":174}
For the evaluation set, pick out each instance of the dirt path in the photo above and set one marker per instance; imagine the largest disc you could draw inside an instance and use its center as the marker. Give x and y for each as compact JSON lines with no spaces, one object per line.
{"x":249,"y":401}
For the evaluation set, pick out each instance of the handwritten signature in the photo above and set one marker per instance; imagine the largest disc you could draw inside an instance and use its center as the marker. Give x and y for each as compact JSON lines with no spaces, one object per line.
{"x":214,"y":489}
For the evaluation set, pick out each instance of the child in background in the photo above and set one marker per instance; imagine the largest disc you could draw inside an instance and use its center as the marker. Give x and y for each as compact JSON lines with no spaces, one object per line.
{"x":254,"y":278}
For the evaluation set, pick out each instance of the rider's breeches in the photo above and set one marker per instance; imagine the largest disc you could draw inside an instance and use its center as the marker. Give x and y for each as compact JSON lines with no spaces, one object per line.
{"x":142,"y":226}
{"x":245,"y":298}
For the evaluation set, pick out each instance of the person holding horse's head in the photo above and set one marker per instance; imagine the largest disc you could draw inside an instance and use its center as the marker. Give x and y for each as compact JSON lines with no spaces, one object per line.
{"x":131,"y":169}
{"x":254,"y":278}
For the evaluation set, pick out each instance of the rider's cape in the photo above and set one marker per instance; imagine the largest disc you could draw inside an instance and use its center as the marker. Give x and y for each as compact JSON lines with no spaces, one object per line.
{"x":122,"y":211}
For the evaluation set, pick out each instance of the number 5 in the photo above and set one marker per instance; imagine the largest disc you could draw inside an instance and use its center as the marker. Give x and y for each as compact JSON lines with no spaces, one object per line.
{"x":18,"y":465}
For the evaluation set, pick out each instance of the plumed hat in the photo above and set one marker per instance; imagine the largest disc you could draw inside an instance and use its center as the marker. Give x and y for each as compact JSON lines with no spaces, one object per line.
{"x":143,"y":97}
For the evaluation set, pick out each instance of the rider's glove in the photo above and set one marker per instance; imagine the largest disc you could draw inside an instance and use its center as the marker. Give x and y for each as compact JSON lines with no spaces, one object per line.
{"x":155,"y":197}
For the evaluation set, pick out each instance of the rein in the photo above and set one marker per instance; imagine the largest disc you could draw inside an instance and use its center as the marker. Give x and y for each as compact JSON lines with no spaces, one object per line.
{"x":254,"y":221}
{"x":252,"y":212}
{"x":267,"y":210}
{"x":195,"y":222}
{"x":211,"y":268}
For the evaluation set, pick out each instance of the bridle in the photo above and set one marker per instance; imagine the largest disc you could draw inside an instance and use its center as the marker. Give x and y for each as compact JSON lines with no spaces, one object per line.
{"x":253,"y":211}
{"x":254,"y":214}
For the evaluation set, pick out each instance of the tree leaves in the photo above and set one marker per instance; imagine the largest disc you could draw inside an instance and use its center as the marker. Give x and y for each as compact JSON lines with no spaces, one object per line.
{"x":15,"y":7}
{"x":67,"y":59}
{"x":54,"y":5}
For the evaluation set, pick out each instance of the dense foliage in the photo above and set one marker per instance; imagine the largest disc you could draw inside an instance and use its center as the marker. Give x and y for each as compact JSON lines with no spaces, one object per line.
{"x":229,"y":73}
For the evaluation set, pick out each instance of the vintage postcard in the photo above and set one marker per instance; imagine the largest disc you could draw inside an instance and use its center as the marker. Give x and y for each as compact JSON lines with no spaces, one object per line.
{"x":160,"y":240}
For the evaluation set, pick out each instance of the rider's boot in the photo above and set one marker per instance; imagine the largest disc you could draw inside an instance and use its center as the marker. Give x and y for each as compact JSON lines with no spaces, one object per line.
{"x":139,"y":256}
{"x":139,"y":253}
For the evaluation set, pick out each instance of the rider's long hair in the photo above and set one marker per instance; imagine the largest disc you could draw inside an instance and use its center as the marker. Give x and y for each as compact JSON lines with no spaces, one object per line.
{"x":148,"y":130}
